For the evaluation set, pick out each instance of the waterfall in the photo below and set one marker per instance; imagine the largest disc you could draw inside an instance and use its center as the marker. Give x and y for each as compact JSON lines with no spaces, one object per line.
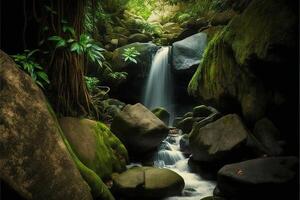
{"x":169,"y":156}
{"x":159,"y":91}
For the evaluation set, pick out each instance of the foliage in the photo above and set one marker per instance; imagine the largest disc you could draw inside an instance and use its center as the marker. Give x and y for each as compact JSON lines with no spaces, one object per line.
{"x":85,"y":45}
{"x":28,"y":64}
{"x":91,"y":82}
{"x":141,"y":8}
{"x":130,"y":54}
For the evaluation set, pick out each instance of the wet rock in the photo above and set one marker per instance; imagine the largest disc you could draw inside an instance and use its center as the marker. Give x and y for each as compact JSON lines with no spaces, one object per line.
{"x":148,"y":183}
{"x":271,"y":178}
{"x":222,"y":18}
{"x":217,"y":140}
{"x":95,"y":145}
{"x":202,"y":111}
{"x":34,"y":160}
{"x":185,"y":145}
{"x":139,"y":129}
{"x":187,"y":53}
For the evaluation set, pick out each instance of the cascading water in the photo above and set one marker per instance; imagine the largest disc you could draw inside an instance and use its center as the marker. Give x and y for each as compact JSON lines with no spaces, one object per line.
{"x":169,"y":156}
{"x":159,"y":91}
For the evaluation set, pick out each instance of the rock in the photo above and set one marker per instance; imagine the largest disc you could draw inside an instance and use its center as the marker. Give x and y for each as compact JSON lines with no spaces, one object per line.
{"x":139,"y":129}
{"x":95,"y":145}
{"x":188,"y":114}
{"x":139,"y":37}
{"x":222,"y":18}
{"x":162,"y":114}
{"x":201,"y":111}
{"x":217,"y":140}
{"x":271,"y":178}
{"x":176,"y":121}
{"x":172,"y":27}
{"x":220,"y":80}
{"x":268,"y":135}
{"x":34,"y":160}
{"x":188,"y":52}
{"x":184,"y":144}
{"x":196,"y":24}
{"x":186,"y":124}
{"x":137,"y":73}
{"x":148,"y":183}
{"x":184,"y":34}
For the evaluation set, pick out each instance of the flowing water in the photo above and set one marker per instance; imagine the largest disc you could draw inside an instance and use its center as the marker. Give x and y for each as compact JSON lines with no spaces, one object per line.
{"x":159,"y":91}
{"x":169,"y":156}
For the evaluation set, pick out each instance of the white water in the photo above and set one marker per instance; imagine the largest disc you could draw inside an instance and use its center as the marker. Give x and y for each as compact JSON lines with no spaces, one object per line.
{"x":159,"y":91}
{"x":169,"y":156}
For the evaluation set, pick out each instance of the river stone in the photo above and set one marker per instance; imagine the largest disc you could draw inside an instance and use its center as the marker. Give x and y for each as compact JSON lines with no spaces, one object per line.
{"x":34,"y":160}
{"x":201,"y":111}
{"x":188,"y":52}
{"x":148,"y":183}
{"x":139,"y":129}
{"x":95,"y":145}
{"x":162,"y":114}
{"x":273,"y":177}
{"x":217,"y":140}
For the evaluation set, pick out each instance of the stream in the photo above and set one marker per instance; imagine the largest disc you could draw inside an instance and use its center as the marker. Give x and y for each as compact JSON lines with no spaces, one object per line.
{"x":169,"y":156}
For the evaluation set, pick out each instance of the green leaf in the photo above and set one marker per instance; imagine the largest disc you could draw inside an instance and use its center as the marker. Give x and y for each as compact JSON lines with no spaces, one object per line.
{"x":43,"y":76}
{"x":60,"y":43}
{"x":55,"y":38}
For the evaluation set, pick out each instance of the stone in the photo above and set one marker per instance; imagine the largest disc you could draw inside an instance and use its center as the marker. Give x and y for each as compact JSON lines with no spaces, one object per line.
{"x":34,"y":159}
{"x":139,"y":129}
{"x":217,"y":141}
{"x":139,"y":37}
{"x":271,"y":178}
{"x":201,"y":111}
{"x":95,"y":145}
{"x":222,"y":18}
{"x":162,"y":114}
{"x":148,"y":183}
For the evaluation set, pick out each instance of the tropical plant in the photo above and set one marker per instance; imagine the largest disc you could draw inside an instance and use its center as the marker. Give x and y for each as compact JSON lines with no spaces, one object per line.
{"x":91,"y":83}
{"x":28,"y":64}
{"x":130,"y":54}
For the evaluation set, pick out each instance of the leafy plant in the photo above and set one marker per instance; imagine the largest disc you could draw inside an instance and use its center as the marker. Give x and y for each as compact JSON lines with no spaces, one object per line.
{"x":130,"y":54}
{"x":91,"y":82}
{"x":28,"y":64}
{"x":85,"y":45}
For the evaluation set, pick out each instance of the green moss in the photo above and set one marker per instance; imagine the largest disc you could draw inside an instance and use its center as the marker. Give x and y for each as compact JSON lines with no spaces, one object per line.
{"x":98,"y":188}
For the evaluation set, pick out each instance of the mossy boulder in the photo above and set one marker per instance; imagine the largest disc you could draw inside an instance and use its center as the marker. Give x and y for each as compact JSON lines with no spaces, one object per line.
{"x":34,"y":160}
{"x":139,"y":37}
{"x":242,"y":64}
{"x":95,"y":145}
{"x":148,"y":183}
{"x":162,"y":114}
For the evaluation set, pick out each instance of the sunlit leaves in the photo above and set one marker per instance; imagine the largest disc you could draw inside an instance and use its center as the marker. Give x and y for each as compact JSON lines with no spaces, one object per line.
{"x":130,"y":54}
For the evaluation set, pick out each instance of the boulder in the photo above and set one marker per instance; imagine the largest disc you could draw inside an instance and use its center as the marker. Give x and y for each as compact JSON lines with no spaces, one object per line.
{"x":34,"y":159}
{"x":235,"y":73}
{"x":148,"y":183}
{"x":270,"y":178}
{"x":202,"y":111}
{"x":162,"y":114}
{"x":95,"y":145}
{"x":186,"y":124}
{"x":112,"y":107}
{"x":268,"y":135}
{"x":184,"y":144}
{"x":217,"y":140}
{"x":139,"y":37}
{"x":188,"y":52}
{"x":139,"y":129}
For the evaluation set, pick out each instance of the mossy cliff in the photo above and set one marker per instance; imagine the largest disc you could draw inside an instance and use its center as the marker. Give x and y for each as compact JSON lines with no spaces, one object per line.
{"x":239,"y":60}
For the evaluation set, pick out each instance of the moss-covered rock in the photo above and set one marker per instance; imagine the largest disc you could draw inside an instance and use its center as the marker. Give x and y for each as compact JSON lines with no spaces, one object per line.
{"x":235,"y":71}
{"x":95,"y":145}
{"x":162,"y":114}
